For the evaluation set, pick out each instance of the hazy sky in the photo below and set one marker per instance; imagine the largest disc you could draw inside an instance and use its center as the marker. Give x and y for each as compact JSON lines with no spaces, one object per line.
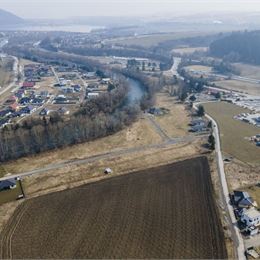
{"x":72,"y":8}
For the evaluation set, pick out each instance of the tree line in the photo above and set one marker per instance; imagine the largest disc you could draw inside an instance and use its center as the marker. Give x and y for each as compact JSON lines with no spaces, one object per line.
{"x":238,"y":47}
{"x":95,"y":118}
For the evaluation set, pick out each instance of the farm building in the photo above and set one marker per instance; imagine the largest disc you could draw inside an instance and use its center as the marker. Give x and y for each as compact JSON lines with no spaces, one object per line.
{"x":7,"y":184}
{"x":251,"y":217}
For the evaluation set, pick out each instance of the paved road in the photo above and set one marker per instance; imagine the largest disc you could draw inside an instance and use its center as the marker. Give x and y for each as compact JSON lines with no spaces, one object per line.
{"x":235,"y":232}
{"x":109,"y":155}
{"x":173,"y":71}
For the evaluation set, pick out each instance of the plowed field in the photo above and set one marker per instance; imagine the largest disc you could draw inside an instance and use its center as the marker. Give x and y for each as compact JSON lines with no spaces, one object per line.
{"x":164,"y":212}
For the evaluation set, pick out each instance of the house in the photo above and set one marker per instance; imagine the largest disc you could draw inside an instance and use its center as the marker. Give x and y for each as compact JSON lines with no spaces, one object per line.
{"x":7,"y":184}
{"x":90,"y":75}
{"x":243,"y":200}
{"x":63,"y":111}
{"x":14,"y":107}
{"x":11,"y":100}
{"x":28,"y":84}
{"x":251,"y":217}
{"x":199,"y":121}
{"x":25,"y":100}
{"x":61,"y":99}
{"x":105,"y":80}
{"x":44,"y":112}
{"x":27,"y":110}
{"x":198,"y":128}
{"x":93,"y":95}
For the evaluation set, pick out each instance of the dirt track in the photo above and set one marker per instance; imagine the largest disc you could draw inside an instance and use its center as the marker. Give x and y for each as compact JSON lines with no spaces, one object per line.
{"x":164,"y":212}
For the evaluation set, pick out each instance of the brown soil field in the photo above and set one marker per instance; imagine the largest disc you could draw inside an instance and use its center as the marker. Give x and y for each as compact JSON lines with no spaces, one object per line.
{"x":163,"y":212}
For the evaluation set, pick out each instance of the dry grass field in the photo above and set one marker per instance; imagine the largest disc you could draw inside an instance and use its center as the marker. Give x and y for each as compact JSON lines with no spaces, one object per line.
{"x":236,"y":85}
{"x":5,"y":71}
{"x":175,"y":122}
{"x":140,"y":133}
{"x":233,"y":132}
{"x":163,"y":212}
{"x":187,"y":50}
{"x":200,"y":68}
{"x":153,"y":39}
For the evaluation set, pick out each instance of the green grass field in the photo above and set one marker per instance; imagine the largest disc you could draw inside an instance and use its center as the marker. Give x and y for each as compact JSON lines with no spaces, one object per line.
{"x":10,"y":195}
{"x":233,"y":132}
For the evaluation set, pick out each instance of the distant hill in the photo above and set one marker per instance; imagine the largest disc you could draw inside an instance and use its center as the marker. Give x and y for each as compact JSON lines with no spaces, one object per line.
{"x":238,"y":46}
{"x":7,"y":18}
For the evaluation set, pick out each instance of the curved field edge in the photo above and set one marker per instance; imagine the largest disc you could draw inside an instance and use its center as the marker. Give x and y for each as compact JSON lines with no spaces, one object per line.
{"x":163,"y":212}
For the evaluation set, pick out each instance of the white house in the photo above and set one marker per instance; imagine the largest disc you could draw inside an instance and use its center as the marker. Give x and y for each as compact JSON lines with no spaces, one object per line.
{"x":93,"y":95}
{"x":251,"y":217}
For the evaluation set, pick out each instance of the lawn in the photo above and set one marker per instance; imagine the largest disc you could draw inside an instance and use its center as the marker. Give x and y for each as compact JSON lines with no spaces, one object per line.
{"x":10,"y":195}
{"x":164,"y":212}
{"x":233,"y":132}
{"x":254,"y":192}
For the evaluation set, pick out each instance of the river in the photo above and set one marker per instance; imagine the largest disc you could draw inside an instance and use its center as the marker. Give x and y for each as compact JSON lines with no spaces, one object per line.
{"x":136,"y":91}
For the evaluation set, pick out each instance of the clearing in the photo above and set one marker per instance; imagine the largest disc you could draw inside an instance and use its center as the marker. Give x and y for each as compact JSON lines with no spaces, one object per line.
{"x":163,"y":212}
{"x":233,"y":132}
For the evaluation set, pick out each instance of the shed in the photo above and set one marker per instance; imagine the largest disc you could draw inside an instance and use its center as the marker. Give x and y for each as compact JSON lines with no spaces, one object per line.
{"x":108,"y":171}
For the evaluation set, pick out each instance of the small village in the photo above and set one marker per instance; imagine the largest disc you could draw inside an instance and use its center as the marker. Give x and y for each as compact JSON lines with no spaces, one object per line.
{"x":46,"y":89}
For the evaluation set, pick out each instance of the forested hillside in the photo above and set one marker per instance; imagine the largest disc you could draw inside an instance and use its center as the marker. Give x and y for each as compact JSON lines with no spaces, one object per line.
{"x":238,"y":47}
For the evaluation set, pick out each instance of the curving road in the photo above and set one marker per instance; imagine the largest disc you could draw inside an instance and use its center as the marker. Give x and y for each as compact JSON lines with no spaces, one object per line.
{"x":235,"y":232}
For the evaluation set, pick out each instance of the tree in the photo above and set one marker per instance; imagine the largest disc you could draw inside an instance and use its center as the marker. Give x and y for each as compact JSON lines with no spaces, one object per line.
{"x":183,"y":96}
{"x":211,"y":141}
{"x":192,"y":98}
{"x":210,"y":124}
{"x":201,"y":110}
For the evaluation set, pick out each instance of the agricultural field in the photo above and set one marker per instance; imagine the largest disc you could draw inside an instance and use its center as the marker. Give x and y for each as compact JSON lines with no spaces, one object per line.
{"x":233,"y":132}
{"x":247,"y":70}
{"x":236,"y":85}
{"x":163,"y":212}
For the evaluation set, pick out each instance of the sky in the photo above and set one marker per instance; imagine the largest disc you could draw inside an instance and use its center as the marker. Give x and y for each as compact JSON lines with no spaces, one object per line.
{"x":75,"y":8}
